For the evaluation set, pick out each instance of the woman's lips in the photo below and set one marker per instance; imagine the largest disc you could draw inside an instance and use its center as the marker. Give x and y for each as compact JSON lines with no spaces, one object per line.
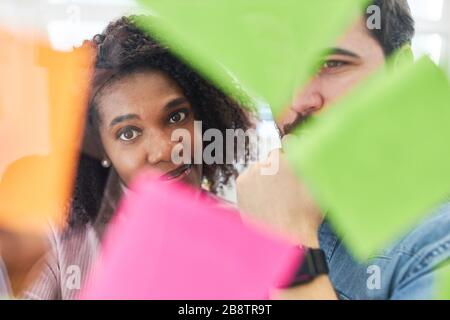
{"x":178,"y":174}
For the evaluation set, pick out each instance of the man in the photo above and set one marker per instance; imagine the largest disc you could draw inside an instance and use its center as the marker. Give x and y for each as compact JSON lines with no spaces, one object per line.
{"x":404,"y":271}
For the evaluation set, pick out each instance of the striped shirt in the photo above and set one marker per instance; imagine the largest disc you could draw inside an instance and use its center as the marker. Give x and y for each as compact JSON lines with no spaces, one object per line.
{"x":73,"y":252}
{"x":5,"y":288}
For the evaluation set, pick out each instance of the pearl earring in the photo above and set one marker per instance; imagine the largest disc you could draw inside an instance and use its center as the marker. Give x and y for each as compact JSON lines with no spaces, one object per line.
{"x":106,"y":164}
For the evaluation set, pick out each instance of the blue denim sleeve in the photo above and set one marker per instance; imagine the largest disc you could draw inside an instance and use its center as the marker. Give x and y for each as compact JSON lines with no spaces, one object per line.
{"x":430,"y":254}
{"x":420,"y":287}
{"x":407,"y":270}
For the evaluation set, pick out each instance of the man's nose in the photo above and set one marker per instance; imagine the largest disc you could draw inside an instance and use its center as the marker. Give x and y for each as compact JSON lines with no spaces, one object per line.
{"x":309,"y":100}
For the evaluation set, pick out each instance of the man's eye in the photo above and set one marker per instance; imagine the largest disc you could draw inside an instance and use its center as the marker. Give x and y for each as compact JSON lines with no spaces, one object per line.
{"x":177,"y":117}
{"x":332,"y":64}
{"x":129,"y":134}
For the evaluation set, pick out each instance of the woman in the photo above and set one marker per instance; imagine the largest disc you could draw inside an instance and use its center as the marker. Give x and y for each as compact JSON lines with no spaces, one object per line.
{"x":140,"y":94}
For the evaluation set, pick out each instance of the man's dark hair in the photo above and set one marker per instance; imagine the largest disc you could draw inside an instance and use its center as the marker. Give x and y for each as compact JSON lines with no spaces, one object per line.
{"x":397,"y":25}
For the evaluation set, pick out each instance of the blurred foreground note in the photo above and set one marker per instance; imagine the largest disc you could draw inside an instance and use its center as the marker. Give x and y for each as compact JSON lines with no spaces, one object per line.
{"x":378,"y":161}
{"x":269,"y":46}
{"x":168,"y":243}
{"x":42,"y":103}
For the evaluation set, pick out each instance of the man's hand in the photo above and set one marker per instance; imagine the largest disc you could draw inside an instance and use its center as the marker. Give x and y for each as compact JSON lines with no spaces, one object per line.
{"x":280,"y":200}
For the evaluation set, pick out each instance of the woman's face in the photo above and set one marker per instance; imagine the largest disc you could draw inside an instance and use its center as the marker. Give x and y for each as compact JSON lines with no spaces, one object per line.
{"x":138,"y":114}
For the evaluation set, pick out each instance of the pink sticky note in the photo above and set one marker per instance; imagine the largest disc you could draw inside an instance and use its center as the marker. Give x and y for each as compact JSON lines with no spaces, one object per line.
{"x":167,"y":242}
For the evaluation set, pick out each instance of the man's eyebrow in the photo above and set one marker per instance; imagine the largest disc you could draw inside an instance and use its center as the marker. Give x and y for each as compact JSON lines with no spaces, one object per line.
{"x":343,"y":52}
{"x":124,"y":117}
{"x":175,"y":103}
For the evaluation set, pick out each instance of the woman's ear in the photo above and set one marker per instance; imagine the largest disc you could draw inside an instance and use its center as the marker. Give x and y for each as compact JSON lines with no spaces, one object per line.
{"x":106,"y":163}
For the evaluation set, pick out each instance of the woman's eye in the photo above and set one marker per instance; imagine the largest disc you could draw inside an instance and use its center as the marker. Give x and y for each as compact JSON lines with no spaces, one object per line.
{"x":129,"y":134}
{"x":177,"y":117}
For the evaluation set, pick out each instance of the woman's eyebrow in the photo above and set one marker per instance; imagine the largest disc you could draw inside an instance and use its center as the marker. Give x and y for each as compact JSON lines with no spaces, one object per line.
{"x":175,"y":103}
{"x":122,"y":118}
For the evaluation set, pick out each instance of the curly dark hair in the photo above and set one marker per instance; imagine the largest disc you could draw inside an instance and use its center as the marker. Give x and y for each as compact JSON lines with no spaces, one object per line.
{"x":122,"y":49}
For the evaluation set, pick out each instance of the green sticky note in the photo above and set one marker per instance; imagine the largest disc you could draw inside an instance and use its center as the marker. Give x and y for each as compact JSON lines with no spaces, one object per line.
{"x":266,"y":48}
{"x":443,"y":284}
{"x":378,"y":161}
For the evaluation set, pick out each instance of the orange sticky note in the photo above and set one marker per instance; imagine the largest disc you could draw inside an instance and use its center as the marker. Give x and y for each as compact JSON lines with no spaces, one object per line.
{"x":43,"y":95}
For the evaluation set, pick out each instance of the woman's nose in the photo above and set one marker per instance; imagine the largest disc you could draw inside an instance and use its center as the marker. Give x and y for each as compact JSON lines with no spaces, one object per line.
{"x":159,"y":149}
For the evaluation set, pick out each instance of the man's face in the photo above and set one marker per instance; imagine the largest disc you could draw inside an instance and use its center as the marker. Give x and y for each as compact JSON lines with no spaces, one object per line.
{"x":355,"y":56}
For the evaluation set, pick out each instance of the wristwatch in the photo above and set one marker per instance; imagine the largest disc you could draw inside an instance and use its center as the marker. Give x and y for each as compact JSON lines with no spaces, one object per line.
{"x":314,"y":264}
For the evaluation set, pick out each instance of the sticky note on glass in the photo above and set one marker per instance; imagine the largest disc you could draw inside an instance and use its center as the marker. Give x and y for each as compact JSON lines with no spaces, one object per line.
{"x":43,"y":97}
{"x":378,"y":161}
{"x":267,"y":48}
{"x":167,"y":242}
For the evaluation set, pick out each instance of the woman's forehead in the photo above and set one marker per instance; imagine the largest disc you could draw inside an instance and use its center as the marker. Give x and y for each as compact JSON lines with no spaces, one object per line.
{"x":140,"y":92}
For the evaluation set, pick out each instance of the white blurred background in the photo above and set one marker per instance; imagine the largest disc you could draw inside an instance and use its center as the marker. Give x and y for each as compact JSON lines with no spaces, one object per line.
{"x":69,"y":22}
{"x":433,"y":30}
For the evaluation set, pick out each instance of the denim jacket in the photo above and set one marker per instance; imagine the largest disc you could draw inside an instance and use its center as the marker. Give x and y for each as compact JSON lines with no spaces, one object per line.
{"x":406,"y":270}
